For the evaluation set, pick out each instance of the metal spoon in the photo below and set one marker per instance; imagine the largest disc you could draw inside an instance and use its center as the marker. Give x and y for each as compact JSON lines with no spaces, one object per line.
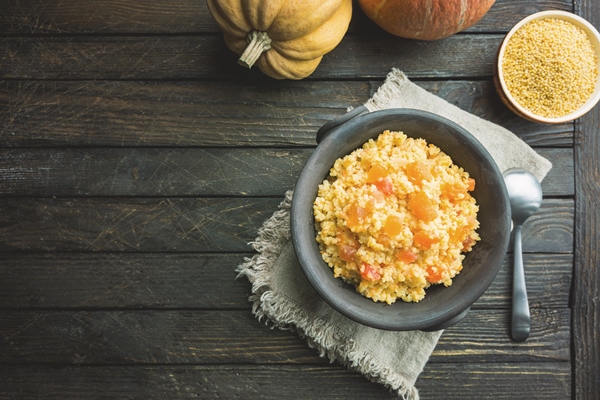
{"x":525,"y":193}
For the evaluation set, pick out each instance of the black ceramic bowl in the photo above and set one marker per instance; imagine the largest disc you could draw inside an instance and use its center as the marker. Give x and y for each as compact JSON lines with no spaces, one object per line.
{"x":442,"y":306}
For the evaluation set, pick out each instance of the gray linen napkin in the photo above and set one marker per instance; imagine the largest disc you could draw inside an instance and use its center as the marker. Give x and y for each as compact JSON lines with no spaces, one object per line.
{"x":507,"y":149}
{"x":283,"y":297}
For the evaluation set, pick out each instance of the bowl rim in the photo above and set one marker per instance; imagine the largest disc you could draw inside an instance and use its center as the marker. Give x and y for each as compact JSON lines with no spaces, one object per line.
{"x":309,"y":257}
{"x":593,"y":36}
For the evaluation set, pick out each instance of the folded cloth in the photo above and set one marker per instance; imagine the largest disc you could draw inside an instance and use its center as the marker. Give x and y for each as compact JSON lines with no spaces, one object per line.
{"x":283,"y":297}
{"x":505,"y":148}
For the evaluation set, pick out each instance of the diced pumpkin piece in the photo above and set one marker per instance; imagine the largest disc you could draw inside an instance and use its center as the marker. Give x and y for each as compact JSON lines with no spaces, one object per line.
{"x":406,"y":256}
{"x":347,"y":253}
{"x":422,"y":240}
{"x":369,"y":273}
{"x":393,"y":225}
{"x":423,"y":207}
{"x":433,"y":275}
{"x":452,"y":191}
{"x":356,"y":216}
{"x":376,"y":172}
{"x":470,"y":184}
{"x":463,"y":232}
{"x":418,"y":172}
{"x":384,"y":240}
{"x":460,"y":233}
{"x":384,"y":185}
{"x":345,"y":237}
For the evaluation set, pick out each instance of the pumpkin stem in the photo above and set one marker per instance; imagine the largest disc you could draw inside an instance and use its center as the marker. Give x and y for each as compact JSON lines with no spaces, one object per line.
{"x":259,"y":42}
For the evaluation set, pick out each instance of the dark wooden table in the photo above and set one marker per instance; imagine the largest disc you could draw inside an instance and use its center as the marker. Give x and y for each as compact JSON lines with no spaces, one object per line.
{"x":137,"y":161}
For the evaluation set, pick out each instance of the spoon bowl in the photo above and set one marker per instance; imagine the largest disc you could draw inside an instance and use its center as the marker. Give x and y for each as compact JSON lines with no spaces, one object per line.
{"x":525,"y":195}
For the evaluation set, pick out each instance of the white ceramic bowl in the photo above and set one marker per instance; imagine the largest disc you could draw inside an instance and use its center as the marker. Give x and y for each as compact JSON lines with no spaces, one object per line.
{"x":510,"y":101}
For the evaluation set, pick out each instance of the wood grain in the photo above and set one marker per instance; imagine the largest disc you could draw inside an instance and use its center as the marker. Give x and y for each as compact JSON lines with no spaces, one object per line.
{"x":184,"y":172}
{"x":586,"y":279}
{"x":116,"y":281}
{"x":230,"y":336}
{"x":206,"y":57}
{"x":548,"y":279}
{"x":244,"y":113}
{"x":199,"y":280}
{"x":485,"y":336}
{"x":22,"y":17}
{"x":547,"y":230}
{"x":151,"y":225}
{"x":543,"y":381}
{"x":149,"y":172}
{"x":192,"y":224}
{"x":138,"y":160}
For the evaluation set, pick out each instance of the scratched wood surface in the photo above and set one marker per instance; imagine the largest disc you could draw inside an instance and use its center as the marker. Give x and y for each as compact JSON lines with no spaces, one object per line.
{"x":137,"y":161}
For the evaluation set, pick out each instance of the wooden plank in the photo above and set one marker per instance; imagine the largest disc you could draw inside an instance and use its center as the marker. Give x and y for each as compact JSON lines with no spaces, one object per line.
{"x":484,"y":335}
{"x":548,"y":381}
{"x":154,"y":225}
{"x":269,"y":113}
{"x":116,"y":280}
{"x":559,"y":181}
{"x":22,"y":17}
{"x":550,"y":228}
{"x":206,"y":57}
{"x":196,"y":280}
{"x":543,"y":381}
{"x":230,"y":336}
{"x":147,"y":337}
{"x":151,"y":172}
{"x":548,"y":279}
{"x":355,"y":54}
{"x":176,"y":114}
{"x":184,"y":172}
{"x":192,"y":224}
{"x":586,"y":278}
{"x":134,"y":337}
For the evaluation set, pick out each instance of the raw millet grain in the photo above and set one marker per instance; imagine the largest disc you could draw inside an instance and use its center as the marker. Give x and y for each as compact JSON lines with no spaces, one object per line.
{"x":549,"y":67}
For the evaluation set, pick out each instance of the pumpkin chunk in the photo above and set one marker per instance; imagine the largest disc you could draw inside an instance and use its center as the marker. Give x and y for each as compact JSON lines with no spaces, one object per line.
{"x":423,"y":207}
{"x":418,"y":171}
{"x":406,"y":256}
{"x":356,"y":216}
{"x":369,"y":273}
{"x":376,"y":172}
{"x":453,"y":192}
{"x":433,"y":275}
{"x":422,"y":240}
{"x":384,"y":185}
{"x":470,"y":184}
{"x":347,"y":253}
{"x":393,"y":225}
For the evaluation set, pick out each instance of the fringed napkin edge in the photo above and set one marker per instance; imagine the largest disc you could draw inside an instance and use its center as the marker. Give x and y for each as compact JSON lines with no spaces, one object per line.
{"x":278,"y":310}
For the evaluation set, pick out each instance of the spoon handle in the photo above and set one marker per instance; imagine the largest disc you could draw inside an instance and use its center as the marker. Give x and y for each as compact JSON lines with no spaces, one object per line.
{"x":520,"y":307}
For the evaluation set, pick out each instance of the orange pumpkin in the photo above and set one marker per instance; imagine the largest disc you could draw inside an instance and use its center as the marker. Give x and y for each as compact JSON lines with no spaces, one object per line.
{"x":425,"y":19}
